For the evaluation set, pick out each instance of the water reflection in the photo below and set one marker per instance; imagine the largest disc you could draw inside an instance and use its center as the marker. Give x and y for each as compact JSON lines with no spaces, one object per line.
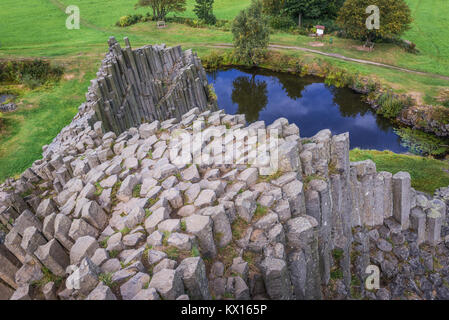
{"x":250,"y":95}
{"x":307,"y":101}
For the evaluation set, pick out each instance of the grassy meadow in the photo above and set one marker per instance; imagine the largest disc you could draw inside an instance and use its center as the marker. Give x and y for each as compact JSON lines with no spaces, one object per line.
{"x":37,"y":29}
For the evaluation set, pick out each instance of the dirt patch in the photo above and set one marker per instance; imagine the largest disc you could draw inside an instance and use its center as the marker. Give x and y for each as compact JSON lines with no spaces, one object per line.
{"x":316,"y":44}
{"x":69,"y":76}
{"x":362,"y":48}
{"x":417,"y":96}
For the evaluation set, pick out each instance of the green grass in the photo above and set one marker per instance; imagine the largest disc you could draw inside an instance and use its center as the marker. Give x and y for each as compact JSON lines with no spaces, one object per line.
{"x":48,"y":276}
{"x":260,"y":212}
{"x":427,"y":174}
{"x":429,"y":32}
{"x":38,"y":120}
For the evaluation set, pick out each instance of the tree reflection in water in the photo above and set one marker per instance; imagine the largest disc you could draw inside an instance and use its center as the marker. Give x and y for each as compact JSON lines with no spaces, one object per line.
{"x":351,"y":105}
{"x":250,"y":95}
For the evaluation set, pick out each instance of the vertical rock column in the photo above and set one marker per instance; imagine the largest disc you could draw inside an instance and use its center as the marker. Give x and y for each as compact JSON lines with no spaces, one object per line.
{"x":321,"y":209}
{"x":146,"y":84}
{"x":357,"y":199}
{"x":366,"y":171}
{"x":9,"y":265}
{"x":303,"y":259}
{"x":402,"y":198}
{"x":342,"y":202}
{"x":361,"y":256}
{"x":435,"y":216}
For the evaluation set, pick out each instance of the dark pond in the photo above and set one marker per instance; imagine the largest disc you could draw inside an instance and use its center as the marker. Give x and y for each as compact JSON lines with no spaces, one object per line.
{"x":307,"y":102}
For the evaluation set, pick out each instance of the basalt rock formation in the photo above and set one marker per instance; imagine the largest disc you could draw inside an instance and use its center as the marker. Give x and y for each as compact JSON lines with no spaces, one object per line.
{"x":128,"y":214}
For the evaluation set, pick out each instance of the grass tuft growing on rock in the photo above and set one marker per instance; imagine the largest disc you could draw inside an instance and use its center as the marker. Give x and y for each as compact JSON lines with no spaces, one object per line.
{"x":48,"y":277}
{"x":125,"y":231}
{"x":136,"y":191}
{"x":260,"y":211}
{"x":172,"y":253}
{"x":106,"y":278}
{"x":98,"y":189}
{"x":238,"y":228}
{"x":195,"y":252}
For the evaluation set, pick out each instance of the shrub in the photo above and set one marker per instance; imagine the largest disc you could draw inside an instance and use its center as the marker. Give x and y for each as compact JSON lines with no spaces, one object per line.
{"x":129,"y":20}
{"x":32,"y":73}
{"x":390,"y":105}
{"x":338,"y":77}
{"x":31,"y":82}
{"x":281,"y":23}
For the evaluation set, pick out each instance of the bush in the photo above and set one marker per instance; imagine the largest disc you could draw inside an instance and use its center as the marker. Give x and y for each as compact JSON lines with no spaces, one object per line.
{"x":339,"y":78}
{"x":31,"y":82}
{"x":32,"y":73}
{"x":213,"y":61}
{"x":391,"y":105}
{"x":129,"y":20}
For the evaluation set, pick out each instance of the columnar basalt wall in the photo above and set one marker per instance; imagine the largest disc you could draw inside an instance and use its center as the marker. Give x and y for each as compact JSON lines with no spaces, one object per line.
{"x":103,"y":208}
{"x":146,"y":84}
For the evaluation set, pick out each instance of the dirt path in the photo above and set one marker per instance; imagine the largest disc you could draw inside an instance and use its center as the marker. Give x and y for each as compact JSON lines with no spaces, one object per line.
{"x":341,"y":57}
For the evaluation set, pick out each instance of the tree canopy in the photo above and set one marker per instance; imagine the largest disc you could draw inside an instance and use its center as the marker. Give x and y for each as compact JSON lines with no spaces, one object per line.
{"x":204,"y":11}
{"x":162,"y":7}
{"x":251,"y":34}
{"x":308,"y":9}
{"x":395,"y":19}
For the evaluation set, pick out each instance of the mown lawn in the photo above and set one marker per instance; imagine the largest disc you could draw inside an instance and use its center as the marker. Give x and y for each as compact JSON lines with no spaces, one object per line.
{"x":427,"y":174}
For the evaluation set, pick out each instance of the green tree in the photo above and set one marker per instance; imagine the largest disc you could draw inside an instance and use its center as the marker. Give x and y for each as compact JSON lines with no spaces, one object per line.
{"x":305,"y":9}
{"x":333,"y":7}
{"x":272,"y":7}
{"x":395,"y":19}
{"x":251,"y":34}
{"x":162,"y":7}
{"x":204,"y":11}
{"x":308,"y":9}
